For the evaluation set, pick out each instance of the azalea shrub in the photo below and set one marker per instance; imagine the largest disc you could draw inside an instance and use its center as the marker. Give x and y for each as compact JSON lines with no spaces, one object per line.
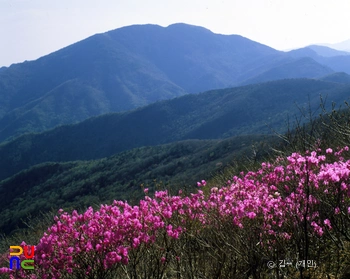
{"x":296,"y":209}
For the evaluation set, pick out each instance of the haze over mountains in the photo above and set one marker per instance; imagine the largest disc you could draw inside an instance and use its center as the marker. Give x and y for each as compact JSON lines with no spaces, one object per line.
{"x":342,"y":46}
{"x":137,"y":65}
{"x":338,"y":61}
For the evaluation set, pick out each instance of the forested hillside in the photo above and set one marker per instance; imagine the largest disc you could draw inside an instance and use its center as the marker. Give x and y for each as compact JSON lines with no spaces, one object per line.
{"x":80,"y":184}
{"x":253,"y":109}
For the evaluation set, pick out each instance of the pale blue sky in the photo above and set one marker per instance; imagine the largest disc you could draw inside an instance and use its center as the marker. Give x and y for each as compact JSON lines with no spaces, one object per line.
{"x":33,"y":28}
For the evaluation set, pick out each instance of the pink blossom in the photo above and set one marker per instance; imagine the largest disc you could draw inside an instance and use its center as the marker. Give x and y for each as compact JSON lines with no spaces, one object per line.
{"x":251,"y":215}
{"x":277,"y":193}
{"x":328,"y":223}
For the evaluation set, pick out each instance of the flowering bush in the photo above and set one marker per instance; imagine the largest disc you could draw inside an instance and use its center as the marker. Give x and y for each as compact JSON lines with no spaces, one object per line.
{"x":293,"y":207}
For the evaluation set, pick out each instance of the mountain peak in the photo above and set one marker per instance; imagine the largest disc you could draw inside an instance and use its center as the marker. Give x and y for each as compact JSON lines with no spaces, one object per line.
{"x":186,"y":26}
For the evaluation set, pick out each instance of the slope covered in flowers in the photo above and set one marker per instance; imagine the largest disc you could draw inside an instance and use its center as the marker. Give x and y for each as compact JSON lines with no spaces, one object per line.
{"x":296,"y":208}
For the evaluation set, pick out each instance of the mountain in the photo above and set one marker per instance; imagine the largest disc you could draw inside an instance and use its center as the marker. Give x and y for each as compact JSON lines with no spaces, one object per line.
{"x":333,"y":59}
{"x":342,"y":46}
{"x":301,"y":67}
{"x":252,"y":109}
{"x":128,"y":68}
{"x":337,"y":77}
{"x":327,"y":51}
{"x":95,"y":76}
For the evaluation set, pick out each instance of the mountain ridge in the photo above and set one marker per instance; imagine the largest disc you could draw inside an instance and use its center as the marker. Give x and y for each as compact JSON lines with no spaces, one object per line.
{"x":338,"y":63}
{"x":126,"y":68}
{"x":342,"y":46}
{"x":208,"y":115}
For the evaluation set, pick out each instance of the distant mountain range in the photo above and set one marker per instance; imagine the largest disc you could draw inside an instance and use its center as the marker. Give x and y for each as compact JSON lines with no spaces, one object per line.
{"x":339,"y":61}
{"x":251,"y":109}
{"x":342,"y":46}
{"x":301,"y":67}
{"x":137,"y":65}
{"x":327,"y":51}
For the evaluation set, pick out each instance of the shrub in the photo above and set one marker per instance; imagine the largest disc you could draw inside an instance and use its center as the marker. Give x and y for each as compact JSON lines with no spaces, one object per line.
{"x":296,"y":209}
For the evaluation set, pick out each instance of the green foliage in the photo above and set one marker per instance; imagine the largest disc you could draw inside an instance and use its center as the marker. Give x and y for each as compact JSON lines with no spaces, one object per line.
{"x":80,"y":184}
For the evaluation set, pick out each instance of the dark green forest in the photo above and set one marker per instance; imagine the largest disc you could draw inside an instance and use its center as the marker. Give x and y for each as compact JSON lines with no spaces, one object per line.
{"x":79,"y":184}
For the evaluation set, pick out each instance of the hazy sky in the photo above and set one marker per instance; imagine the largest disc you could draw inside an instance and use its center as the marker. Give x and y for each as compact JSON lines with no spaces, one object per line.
{"x":33,"y":28}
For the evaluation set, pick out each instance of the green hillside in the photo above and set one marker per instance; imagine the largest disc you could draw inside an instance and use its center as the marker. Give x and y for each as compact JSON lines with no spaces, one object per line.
{"x":253,"y":109}
{"x":80,"y":184}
